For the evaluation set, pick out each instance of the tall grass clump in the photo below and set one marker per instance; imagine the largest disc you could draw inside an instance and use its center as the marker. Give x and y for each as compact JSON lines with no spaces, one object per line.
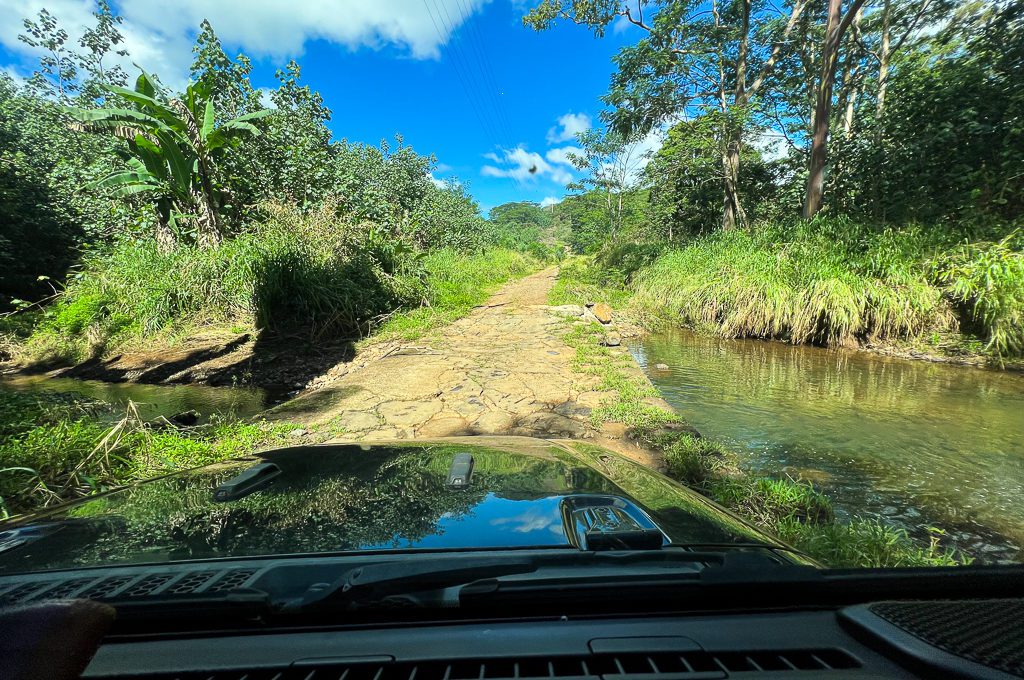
{"x":828,"y":282}
{"x":292,"y":273}
{"x":834,"y":282}
{"x":987,"y":280}
{"x":53,"y":451}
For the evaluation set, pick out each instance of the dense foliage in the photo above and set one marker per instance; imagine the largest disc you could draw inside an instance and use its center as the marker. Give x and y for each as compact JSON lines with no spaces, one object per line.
{"x":920,"y":186}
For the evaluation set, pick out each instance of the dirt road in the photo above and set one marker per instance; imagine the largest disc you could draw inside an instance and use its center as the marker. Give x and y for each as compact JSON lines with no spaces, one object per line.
{"x":503,"y":369}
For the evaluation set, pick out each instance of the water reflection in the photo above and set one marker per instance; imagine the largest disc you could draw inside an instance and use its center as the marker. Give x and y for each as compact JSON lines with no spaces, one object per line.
{"x":151,"y":400}
{"x":912,"y":442}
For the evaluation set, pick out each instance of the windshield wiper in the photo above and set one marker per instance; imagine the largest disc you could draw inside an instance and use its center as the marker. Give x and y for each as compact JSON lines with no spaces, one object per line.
{"x":382,"y":579}
{"x":372,"y":583}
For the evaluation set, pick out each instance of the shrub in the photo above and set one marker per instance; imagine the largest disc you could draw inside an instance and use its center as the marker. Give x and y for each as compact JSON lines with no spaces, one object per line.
{"x":294,"y":272}
{"x":987,"y":279}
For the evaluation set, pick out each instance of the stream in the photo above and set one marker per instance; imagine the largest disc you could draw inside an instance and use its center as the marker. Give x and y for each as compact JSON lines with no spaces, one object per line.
{"x":153,"y":401}
{"x":912,"y":443}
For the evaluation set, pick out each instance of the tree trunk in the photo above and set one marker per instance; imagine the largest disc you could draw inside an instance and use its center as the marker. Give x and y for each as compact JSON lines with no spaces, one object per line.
{"x":851,"y":84}
{"x":618,"y":215}
{"x":733,"y":208}
{"x":207,"y":228}
{"x":834,"y":28}
{"x":883,"y":59}
{"x":731,"y":135}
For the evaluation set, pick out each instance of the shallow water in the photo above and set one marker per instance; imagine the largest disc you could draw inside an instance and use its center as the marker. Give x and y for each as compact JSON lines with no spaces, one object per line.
{"x":153,"y":400}
{"x":914,"y":443}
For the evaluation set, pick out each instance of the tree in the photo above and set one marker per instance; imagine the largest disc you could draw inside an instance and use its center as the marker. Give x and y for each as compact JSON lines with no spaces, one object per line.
{"x":57,"y":65}
{"x":837,"y":25}
{"x":692,"y":58}
{"x":612,"y":161}
{"x":99,"y":41}
{"x":173,"y":145}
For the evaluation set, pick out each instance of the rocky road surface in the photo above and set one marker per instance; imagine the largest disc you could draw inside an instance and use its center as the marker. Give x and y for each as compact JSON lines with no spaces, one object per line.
{"x":502,"y":370}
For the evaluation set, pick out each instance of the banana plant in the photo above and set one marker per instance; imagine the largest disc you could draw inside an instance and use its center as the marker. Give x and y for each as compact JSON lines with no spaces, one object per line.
{"x":172,"y":145}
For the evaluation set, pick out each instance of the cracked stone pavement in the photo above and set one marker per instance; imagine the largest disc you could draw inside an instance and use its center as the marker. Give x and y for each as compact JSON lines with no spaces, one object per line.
{"x":501,"y":370}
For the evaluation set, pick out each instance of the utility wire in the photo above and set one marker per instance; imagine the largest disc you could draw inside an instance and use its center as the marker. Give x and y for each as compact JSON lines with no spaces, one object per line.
{"x":470,"y":98}
{"x":491,"y":83}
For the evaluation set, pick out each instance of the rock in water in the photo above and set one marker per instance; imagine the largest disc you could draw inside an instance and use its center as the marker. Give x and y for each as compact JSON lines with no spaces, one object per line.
{"x":661,"y":367}
{"x":185,"y":418}
{"x":603,"y":313}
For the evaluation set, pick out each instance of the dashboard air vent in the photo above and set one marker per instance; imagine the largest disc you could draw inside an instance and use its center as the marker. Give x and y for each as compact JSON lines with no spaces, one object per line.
{"x":686,"y":666}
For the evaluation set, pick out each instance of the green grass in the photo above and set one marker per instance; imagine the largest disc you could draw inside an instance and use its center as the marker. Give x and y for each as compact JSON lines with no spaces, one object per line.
{"x":582,"y":280}
{"x":311,"y":275}
{"x":987,"y":280}
{"x":54,"y":448}
{"x":865,"y":543}
{"x":832,"y":282}
{"x":628,"y":390}
{"x":455,"y":284}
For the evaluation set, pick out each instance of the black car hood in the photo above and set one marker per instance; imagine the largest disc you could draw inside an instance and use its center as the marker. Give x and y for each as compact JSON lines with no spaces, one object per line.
{"x":334,"y":498}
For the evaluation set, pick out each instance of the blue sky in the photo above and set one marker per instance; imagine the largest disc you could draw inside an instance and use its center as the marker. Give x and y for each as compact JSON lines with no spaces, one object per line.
{"x":461,"y":79}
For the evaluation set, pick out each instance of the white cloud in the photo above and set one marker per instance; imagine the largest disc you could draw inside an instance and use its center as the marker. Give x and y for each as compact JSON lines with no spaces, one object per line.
{"x":770,"y":143}
{"x":437,"y":182}
{"x":443,"y":167}
{"x":569,"y":125}
{"x":265,"y":100}
{"x":522,"y":165}
{"x":550,"y":200}
{"x":14,"y":74}
{"x":621,"y":25}
{"x":561,"y":155}
{"x":159,"y":35}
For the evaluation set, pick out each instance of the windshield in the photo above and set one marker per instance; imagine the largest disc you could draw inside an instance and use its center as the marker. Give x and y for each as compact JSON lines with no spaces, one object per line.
{"x":728,"y":275}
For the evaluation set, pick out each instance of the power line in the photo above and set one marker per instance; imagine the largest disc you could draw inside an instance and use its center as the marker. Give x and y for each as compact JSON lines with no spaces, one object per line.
{"x":491,"y":82}
{"x":478,"y":112}
{"x":461,"y":65}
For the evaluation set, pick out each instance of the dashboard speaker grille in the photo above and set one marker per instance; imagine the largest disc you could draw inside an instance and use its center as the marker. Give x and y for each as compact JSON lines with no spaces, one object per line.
{"x":988,"y":632}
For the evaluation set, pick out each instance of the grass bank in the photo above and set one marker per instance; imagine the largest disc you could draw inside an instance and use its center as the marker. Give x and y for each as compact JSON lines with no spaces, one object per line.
{"x":835,"y":283}
{"x":55,"y":448}
{"x":790,"y":509}
{"x":307,"y":275}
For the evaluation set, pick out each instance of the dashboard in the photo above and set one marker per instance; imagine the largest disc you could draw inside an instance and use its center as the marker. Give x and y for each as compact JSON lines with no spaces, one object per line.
{"x":980,"y":638}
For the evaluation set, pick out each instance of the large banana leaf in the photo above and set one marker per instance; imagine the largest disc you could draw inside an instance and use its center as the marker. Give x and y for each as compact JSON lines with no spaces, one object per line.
{"x":208,"y":121}
{"x":121,"y":179}
{"x":111,"y":118}
{"x":147,"y":85}
{"x":180,"y":166}
{"x":153,"y":106}
{"x":151,"y":156}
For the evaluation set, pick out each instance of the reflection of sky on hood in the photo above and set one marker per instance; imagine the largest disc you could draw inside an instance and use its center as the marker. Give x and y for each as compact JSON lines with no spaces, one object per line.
{"x":497,"y":522}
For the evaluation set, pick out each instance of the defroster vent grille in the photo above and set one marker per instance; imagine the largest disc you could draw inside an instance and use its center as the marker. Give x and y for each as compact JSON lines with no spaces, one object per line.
{"x":685,"y":666}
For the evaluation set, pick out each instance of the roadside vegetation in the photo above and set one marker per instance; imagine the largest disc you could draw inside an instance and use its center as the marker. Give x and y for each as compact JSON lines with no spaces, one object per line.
{"x":791,"y":509}
{"x":861,"y":192}
{"x":136,"y":217}
{"x":56,"y":448}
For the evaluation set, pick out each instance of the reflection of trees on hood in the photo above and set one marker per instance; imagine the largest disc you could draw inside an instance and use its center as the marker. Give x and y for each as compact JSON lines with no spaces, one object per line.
{"x":387,"y":502}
